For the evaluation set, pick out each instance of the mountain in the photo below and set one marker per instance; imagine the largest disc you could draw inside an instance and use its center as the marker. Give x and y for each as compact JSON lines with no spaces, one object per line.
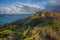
{"x":43,"y":25}
{"x":38,"y":18}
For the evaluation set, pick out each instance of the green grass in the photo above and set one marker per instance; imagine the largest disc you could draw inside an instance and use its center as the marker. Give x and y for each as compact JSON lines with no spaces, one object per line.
{"x":48,"y":31}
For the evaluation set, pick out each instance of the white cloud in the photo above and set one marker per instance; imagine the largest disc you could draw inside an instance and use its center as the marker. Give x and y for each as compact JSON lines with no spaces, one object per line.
{"x":21,"y":8}
{"x":54,"y":2}
{"x":42,"y":3}
{"x":11,"y":9}
{"x":50,"y":2}
{"x":53,"y":5}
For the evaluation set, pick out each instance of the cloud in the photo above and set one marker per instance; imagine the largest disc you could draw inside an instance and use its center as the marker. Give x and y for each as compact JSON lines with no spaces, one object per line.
{"x":42,"y":3}
{"x":21,"y":8}
{"x":53,"y":5}
{"x":54,"y":2}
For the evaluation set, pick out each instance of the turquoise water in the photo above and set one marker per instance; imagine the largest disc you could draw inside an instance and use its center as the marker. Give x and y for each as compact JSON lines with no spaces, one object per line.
{"x":7,"y":18}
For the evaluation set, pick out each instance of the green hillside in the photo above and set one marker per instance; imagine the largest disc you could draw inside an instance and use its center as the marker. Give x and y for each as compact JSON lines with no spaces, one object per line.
{"x":43,"y":25}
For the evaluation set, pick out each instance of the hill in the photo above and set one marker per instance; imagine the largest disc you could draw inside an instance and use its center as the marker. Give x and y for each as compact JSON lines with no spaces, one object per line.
{"x":43,"y":25}
{"x":38,"y":18}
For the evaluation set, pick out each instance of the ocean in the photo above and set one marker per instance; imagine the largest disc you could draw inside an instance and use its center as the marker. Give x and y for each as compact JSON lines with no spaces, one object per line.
{"x":7,"y":18}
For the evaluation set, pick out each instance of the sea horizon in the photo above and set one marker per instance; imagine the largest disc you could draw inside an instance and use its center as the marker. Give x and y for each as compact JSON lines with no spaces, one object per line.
{"x":7,"y":18}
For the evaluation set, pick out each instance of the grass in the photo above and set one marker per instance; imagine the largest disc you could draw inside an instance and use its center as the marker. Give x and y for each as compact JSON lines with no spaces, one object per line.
{"x":33,"y":36}
{"x":26,"y":31}
{"x":48,"y":32}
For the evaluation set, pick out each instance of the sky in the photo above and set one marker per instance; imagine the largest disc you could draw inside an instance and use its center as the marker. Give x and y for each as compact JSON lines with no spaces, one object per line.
{"x":28,"y":6}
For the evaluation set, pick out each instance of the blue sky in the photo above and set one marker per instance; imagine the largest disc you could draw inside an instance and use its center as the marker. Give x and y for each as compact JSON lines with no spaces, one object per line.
{"x":28,"y":6}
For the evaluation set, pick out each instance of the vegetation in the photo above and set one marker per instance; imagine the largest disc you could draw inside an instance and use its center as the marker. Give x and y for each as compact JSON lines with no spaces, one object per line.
{"x":38,"y":29}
